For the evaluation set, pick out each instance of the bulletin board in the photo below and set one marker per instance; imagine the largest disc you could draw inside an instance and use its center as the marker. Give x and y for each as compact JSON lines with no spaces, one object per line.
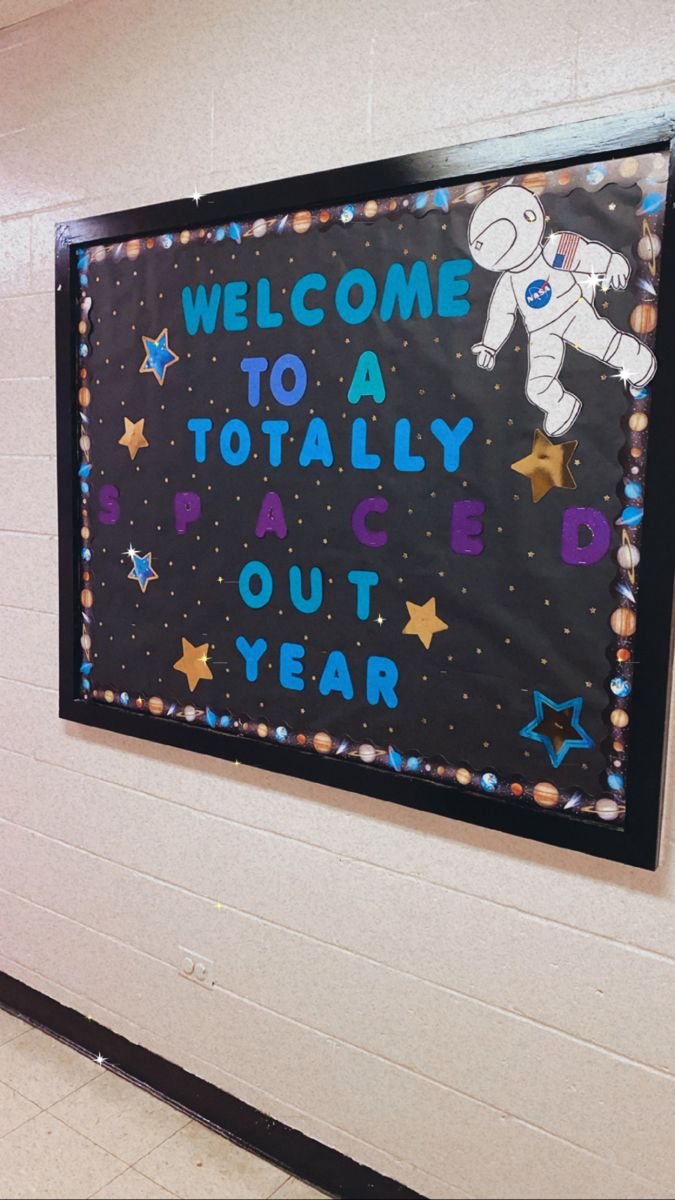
{"x":364,"y":478}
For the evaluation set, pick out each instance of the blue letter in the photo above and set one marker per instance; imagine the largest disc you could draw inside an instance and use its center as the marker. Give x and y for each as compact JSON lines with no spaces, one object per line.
{"x":200,"y":311}
{"x":403,"y":459}
{"x":251,"y":655}
{"x":316,"y":446}
{"x":246,"y":574}
{"x":275,"y":430}
{"x":200,"y":426}
{"x":254,"y":368}
{"x":363,"y":581}
{"x":315,"y":589}
{"x":451,"y":439}
{"x":367,"y":379}
{"x":234,"y":304}
{"x":361,"y":459}
{"x":450,"y":287}
{"x":288,"y":396}
{"x":356,"y":314}
{"x":230,"y":430}
{"x":266,"y":318}
{"x":308,"y":283}
{"x":290,"y":666}
{"x":406,"y":292}
{"x":381,"y":680}
{"x":335,"y":676}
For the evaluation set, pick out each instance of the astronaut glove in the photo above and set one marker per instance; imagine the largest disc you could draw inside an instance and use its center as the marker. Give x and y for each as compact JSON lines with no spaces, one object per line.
{"x":617,"y":272}
{"x":485,"y":357}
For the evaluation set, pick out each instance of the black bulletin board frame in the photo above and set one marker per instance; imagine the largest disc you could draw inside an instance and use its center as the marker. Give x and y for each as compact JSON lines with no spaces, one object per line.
{"x":638,"y":842}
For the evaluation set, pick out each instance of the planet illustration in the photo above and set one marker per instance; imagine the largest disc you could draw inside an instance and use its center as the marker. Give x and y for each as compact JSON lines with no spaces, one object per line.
{"x":638,"y":422}
{"x":184,"y":237}
{"x":322,"y":743}
{"x":367,"y":752}
{"x":628,"y":168}
{"x":370,"y":209}
{"x":659,"y":169}
{"x":124,"y":697}
{"x":546,"y":795}
{"x":535,"y":182}
{"x":619,"y":718}
{"x":633,"y":490}
{"x":628,"y":556}
{"x":259,"y":227}
{"x":619,"y":686}
{"x":623,"y":655}
{"x":85,"y":443}
{"x":156,"y":706}
{"x":463,"y":776}
{"x":84,"y":397}
{"x":324,"y":216}
{"x":595,"y":174}
{"x":615,"y":781}
{"x":133,"y":249}
{"x":643,"y":318}
{"x":302,"y":221}
{"x":189,"y":712}
{"x":413,"y":764}
{"x":86,"y":597}
{"x":85,"y":641}
{"x":564,"y":178}
{"x":516,"y":789}
{"x":649,"y":247}
{"x":108,"y":696}
{"x":347,"y":214}
{"x":281,"y":733}
{"x":489,"y":782}
{"x":623,"y":622}
{"x":474,"y":193}
{"x":606,"y":808}
{"x":301,"y":739}
{"x":635,"y":452}
{"x":262,"y":730}
{"x":393,"y":205}
{"x":653,"y":202}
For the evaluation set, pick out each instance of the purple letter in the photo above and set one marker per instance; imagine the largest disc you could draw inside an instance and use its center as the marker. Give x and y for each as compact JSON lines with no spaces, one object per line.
{"x":187,"y":508}
{"x":466,"y":527}
{"x":366,"y":536}
{"x":109,"y":510}
{"x":271,"y":517}
{"x":601,"y":535}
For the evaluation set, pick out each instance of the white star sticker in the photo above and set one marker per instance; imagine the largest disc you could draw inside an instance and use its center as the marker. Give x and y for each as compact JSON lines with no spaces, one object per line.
{"x":100,"y":1059}
{"x":196,"y":196}
{"x":380,"y":620}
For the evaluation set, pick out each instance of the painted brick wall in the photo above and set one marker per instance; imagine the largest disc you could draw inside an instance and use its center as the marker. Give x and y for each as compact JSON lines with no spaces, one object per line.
{"x":474,"y":1015}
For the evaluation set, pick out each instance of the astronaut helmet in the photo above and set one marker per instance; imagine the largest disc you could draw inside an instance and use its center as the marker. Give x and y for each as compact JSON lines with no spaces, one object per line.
{"x":506,"y":228}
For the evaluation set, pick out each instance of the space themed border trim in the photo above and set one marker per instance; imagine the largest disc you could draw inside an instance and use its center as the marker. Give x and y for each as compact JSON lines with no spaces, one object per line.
{"x":342,"y":195}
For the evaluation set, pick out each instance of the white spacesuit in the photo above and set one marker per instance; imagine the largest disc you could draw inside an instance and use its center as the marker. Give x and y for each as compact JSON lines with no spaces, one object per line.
{"x":549,"y":285}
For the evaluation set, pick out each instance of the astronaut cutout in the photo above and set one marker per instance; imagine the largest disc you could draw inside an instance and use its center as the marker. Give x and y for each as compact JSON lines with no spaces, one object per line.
{"x":548,"y":285}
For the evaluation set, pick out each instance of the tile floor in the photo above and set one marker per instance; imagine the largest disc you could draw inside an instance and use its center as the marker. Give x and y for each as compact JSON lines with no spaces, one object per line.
{"x":70,"y":1129}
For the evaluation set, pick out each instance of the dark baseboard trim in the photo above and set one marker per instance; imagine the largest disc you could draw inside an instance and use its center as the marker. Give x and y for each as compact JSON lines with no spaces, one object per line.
{"x":285,"y":1147}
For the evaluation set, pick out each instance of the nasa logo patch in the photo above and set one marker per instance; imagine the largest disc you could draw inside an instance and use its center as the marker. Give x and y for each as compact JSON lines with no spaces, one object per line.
{"x":538,"y":293}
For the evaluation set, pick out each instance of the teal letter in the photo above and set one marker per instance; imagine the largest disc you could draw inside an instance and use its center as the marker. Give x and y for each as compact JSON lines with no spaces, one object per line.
{"x":290,"y":666}
{"x":367,"y":379}
{"x":450,"y":287}
{"x":234,"y":304}
{"x":266,"y":318}
{"x":335,"y":676}
{"x":308,"y":283}
{"x":403,"y":459}
{"x":255,"y":599}
{"x":381,"y":680}
{"x":407,"y":292}
{"x":361,"y":459}
{"x":239,"y":430}
{"x":317,"y":445}
{"x":251,"y":655}
{"x":315,"y":597}
{"x":200,"y":426}
{"x":356,"y":314}
{"x":275,"y":430}
{"x":451,"y":439}
{"x":363,"y":582}
{"x":200,"y":311}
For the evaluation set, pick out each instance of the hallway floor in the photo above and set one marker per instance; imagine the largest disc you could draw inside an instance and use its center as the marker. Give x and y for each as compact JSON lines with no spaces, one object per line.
{"x":71,"y":1129}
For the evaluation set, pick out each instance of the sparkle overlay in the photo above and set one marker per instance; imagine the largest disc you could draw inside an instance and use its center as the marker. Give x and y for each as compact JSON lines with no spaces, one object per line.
{"x":499,"y":633}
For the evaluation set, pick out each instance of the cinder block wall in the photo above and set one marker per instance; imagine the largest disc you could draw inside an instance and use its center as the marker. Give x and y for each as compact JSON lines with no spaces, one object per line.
{"x":474,"y":1015}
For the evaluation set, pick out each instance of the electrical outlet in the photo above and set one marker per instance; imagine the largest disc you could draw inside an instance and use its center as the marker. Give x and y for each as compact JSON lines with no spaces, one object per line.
{"x":195,"y":967}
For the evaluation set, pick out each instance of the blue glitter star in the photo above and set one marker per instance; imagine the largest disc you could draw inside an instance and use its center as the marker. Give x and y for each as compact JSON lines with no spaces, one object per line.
{"x":158,"y":356}
{"x":142,"y":571}
{"x":554,"y":733}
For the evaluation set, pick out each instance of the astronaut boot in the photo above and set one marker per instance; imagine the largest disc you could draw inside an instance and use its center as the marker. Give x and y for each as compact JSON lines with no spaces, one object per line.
{"x":634,"y":361}
{"x":561,"y":416}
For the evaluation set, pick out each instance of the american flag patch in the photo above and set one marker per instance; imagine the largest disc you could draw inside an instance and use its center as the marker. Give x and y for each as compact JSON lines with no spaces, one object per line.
{"x":566,"y":249}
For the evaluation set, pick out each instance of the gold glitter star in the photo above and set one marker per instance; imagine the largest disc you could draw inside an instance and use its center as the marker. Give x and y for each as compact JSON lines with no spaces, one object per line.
{"x":423,"y":621}
{"x":133,"y":437}
{"x":546,"y":466}
{"x":193,"y":662}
